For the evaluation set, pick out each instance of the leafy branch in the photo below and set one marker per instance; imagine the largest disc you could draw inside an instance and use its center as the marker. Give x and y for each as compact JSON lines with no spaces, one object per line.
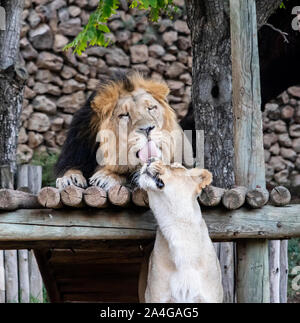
{"x":96,"y":30}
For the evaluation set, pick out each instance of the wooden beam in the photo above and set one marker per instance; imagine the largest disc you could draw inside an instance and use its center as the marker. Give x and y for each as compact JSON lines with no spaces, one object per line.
{"x":83,"y":228}
{"x":249,"y":170}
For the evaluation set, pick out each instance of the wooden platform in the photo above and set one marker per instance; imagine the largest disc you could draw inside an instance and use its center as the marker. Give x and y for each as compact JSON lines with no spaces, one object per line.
{"x":95,"y":255}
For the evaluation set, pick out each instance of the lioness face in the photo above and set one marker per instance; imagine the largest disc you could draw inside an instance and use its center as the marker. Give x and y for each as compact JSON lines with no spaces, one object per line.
{"x":169,"y":180}
{"x":138,"y":119}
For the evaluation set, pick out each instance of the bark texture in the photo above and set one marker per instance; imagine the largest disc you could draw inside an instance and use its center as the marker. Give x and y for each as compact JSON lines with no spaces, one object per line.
{"x":12,"y":79}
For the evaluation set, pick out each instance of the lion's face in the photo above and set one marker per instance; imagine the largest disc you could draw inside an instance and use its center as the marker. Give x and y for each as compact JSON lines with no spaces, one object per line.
{"x":135,"y":125}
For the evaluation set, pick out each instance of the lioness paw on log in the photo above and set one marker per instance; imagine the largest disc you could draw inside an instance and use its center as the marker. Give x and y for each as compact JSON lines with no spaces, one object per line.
{"x":126,"y":122}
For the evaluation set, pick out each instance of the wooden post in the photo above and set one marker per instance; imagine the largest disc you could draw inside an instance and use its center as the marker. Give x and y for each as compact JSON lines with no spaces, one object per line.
{"x":284,"y":270}
{"x":2,"y":278}
{"x":252,"y":255}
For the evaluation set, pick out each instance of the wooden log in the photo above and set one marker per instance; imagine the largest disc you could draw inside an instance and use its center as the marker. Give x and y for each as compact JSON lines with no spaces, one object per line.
{"x":234,"y":198}
{"x":95,"y":197}
{"x":49,"y":197}
{"x":2,"y":278}
{"x":280,"y":196}
{"x":211,"y":195}
{"x":72,"y":196}
{"x":35,"y":280}
{"x":6,"y":177}
{"x":119,"y":195}
{"x":249,"y":166}
{"x":274,"y":267}
{"x":284,"y":270}
{"x":257,"y":198}
{"x":24,"y":288}
{"x":12,"y":200}
{"x":11,"y":276}
{"x":140,"y":197}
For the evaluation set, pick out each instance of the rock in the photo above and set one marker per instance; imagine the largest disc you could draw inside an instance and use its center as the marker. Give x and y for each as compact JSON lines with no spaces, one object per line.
{"x":284,"y":97}
{"x":44,"y":76}
{"x":63,"y":14}
{"x":24,"y":154}
{"x":34,"y":18}
{"x":176,"y":87}
{"x":139,"y":53}
{"x":57,"y":124}
{"x":272,"y":110}
{"x":156,"y":51}
{"x":50,"y":61}
{"x":67,"y":119}
{"x":31,"y":68}
{"x":41,"y":37}
{"x":175,"y":70}
{"x":41,"y":88}
{"x":81,"y":78}
{"x":136,"y":37}
{"x":293,"y":102}
{"x":74,"y":11}
{"x":123,"y":36}
{"x":70,"y":57}
{"x":57,"y":4}
{"x":287,"y":112}
{"x":71,"y":27}
{"x":170,"y":37}
{"x":61,"y":137}
{"x":280,"y":126}
{"x":269,"y":172}
{"x":181,"y":109}
{"x":117,"y":57}
{"x":277,"y":163}
{"x":49,"y":138}
{"x":269,"y":140}
{"x":116,"y":24}
{"x":285,"y":140}
{"x":71,"y":103}
{"x":68,"y":72}
{"x":43,"y":104}
{"x":39,"y":122}
{"x":282,"y":177}
{"x":184,"y":43}
{"x":72,"y":85}
{"x":297,"y":114}
{"x":296,"y":145}
{"x":295,"y":130}
{"x":182,"y":56}
{"x":84,"y":68}
{"x":60,"y":42}
{"x":182,"y":27}
{"x":34,"y":139}
{"x":186,"y":78}
{"x":267,"y":155}
{"x":295,"y":181}
{"x":297,"y":163}
{"x":26,"y":112}
{"x":28,"y":52}
{"x":169,"y":58}
{"x":289,"y":154}
{"x":23,"y":137}
{"x":275,"y":149}
{"x":294,"y":91}
{"x":142,"y":68}
{"x":164,"y":25}
{"x":28,"y":93}
{"x":156,"y":65}
{"x":96,"y":51}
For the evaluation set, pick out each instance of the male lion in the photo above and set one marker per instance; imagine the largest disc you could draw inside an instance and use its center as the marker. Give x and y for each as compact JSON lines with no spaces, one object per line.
{"x":126,"y":122}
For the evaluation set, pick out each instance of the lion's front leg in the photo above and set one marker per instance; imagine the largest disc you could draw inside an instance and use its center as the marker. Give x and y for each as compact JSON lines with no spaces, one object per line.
{"x":106,"y":179}
{"x":71,"y":177}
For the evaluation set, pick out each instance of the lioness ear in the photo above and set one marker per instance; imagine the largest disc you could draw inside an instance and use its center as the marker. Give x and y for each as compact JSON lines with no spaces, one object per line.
{"x":202,"y":176}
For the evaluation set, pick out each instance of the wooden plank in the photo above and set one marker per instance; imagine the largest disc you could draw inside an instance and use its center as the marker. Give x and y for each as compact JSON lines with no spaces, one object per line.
{"x":2,"y":278}
{"x":274,"y":256}
{"x":63,"y":228}
{"x":284,"y":270}
{"x":11,"y":276}
{"x":24,"y":292}
{"x":252,"y":263}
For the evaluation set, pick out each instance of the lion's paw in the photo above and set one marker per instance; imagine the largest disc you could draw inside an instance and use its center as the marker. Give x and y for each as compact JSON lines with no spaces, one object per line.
{"x":105,"y":181}
{"x":72,"y":179}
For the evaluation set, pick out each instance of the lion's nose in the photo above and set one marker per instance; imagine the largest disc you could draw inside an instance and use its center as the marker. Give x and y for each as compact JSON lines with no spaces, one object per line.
{"x":147,"y":130}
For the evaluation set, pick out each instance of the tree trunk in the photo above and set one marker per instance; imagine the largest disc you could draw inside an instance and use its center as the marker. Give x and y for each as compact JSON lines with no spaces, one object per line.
{"x":212,"y":97}
{"x":12,"y":78}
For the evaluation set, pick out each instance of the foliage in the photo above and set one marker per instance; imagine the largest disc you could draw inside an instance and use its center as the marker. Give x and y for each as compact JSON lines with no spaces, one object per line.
{"x":282,"y":5}
{"x":96,"y":30}
{"x":47,"y":161}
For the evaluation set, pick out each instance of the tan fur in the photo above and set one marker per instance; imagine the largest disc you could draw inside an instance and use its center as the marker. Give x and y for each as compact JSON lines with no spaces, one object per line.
{"x":183,"y":266}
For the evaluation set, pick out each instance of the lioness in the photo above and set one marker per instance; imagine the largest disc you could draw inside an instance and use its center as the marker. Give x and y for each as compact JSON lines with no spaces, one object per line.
{"x":126,"y":122}
{"x":183,"y":266}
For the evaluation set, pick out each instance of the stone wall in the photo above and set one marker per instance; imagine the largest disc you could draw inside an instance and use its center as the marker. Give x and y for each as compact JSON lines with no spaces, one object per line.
{"x":282,"y":139}
{"x":60,"y":83}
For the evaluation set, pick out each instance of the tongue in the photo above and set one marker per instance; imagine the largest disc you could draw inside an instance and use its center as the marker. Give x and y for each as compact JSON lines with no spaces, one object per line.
{"x":148,"y":151}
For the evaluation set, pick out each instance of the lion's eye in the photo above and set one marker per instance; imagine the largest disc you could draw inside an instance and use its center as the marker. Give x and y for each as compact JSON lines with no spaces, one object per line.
{"x":153,"y":107}
{"x":124,"y":115}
